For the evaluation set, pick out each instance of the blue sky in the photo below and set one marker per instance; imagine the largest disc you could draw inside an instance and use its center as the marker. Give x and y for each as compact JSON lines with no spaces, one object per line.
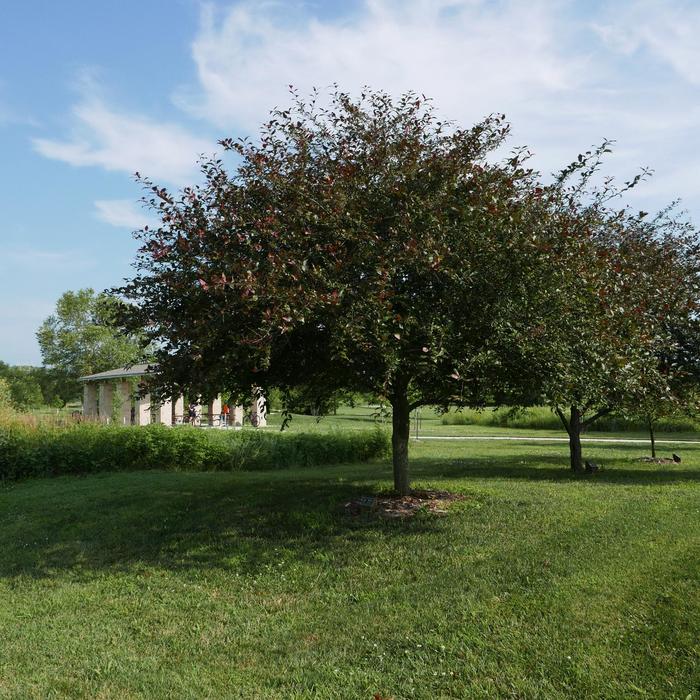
{"x":91,"y":92}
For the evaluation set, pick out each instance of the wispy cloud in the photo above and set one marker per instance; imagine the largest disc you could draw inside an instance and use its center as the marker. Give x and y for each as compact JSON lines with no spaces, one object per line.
{"x":126,"y":142}
{"x":566,"y":74}
{"x":122,"y":213}
{"x":473,"y":56}
{"x":668,"y":31}
{"x":40,"y":260}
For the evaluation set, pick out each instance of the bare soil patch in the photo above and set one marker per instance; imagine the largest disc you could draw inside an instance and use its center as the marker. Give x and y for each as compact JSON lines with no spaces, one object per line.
{"x":391,"y":505}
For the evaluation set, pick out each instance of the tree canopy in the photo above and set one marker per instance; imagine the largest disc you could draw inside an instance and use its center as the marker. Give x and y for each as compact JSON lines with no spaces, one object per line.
{"x":81,"y":338}
{"x":368,"y":245}
{"x":621,"y":286}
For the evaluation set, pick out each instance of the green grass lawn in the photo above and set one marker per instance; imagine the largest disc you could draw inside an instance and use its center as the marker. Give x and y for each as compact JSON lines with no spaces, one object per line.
{"x":364,"y":417}
{"x":257,"y":585}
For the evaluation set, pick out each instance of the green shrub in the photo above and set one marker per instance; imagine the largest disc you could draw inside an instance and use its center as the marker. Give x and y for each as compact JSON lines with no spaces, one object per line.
{"x":27,"y":451}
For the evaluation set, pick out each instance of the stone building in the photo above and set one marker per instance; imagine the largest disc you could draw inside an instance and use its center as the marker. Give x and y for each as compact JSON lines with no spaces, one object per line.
{"x":113,"y":397}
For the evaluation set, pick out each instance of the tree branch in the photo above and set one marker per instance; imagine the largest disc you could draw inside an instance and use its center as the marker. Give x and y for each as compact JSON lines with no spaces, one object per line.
{"x":417,"y":404}
{"x":595,"y":416}
{"x":562,"y":418}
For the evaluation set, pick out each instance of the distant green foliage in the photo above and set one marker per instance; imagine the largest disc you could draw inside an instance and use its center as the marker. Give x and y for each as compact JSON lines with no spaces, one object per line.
{"x":24,"y":386}
{"x":57,"y":387}
{"x":542,"y":418}
{"x":5,"y":393}
{"x":80,"y":338}
{"x":27,"y":451}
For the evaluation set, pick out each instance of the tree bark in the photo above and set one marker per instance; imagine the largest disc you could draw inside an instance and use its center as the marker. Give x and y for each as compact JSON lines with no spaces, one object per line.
{"x":401,"y":428}
{"x":574,"y":427}
{"x":652,"y":438}
{"x":575,"y":430}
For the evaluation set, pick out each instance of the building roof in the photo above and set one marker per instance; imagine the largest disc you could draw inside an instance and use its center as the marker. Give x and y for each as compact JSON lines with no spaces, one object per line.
{"x":119,"y":373}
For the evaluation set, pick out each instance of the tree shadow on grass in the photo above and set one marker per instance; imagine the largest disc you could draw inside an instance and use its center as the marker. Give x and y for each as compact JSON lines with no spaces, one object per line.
{"x":241,"y":522}
{"x":183,"y":521}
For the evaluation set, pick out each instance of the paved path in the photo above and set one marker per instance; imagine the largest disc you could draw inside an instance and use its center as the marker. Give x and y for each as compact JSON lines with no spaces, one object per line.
{"x":554,"y":439}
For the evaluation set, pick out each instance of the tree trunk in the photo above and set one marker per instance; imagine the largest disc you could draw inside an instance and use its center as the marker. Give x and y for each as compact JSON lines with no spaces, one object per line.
{"x":575,"y":430}
{"x":574,"y":427}
{"x":401,"y":428}
{"x":575,"y":452}
{"x":652,"y":438}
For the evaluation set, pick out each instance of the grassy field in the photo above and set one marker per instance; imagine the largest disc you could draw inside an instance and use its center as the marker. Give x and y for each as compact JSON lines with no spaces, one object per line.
{"x":257,"y":585}
{"x":430,"y":424}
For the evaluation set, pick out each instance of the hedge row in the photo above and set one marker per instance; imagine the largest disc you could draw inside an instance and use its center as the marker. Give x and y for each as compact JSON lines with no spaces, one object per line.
{"x":89,"y":448}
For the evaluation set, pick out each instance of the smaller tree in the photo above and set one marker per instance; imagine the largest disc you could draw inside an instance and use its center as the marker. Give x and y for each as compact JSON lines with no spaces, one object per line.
{"x":655,"y":408}
{"x":81,"y":338}
{"x":618,"y":283}
{"x":675,"y":391}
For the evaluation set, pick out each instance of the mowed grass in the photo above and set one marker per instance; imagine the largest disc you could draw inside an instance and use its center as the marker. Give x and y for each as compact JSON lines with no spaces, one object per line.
{"x":430,"y":424}
{"x":257,"y":585}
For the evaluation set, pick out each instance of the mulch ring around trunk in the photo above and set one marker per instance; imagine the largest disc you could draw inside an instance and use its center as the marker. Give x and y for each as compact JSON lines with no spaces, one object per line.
{"x":391,"y":505}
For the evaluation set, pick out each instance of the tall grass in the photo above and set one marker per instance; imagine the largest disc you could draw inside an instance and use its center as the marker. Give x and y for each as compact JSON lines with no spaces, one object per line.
{"x":28,"y":451}
{"x":543,"y":418}
{"x":536,"y":418}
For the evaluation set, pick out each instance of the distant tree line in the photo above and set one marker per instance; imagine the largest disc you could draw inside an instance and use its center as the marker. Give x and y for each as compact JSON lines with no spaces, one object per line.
{"x":24,"y":387}
{"x":80,"y":338}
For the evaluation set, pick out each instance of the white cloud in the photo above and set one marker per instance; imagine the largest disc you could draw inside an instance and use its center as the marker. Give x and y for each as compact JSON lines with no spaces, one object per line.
{"x":669,"y":31}
{"x":38,"y":259}
{"x":122,"y":213}
{"x":126,"y":142}
{"x":459,"y":51}
{"x":567,"y":75}
{"x":560,"y":70}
